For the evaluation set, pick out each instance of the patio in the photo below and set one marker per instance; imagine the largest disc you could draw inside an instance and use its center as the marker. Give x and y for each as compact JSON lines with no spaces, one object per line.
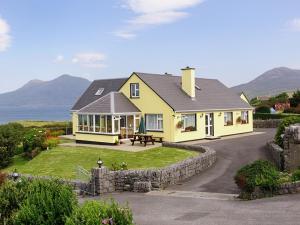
{"x":126,"y":146}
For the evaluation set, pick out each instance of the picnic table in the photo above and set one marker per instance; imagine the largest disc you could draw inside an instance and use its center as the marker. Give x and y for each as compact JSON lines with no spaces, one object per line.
{"x":142,"y":138}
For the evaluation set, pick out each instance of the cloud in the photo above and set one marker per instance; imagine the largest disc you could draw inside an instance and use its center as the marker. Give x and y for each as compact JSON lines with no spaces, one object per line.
{"x":153,"y":13}
{"x":294,"y":25}
{"x":5,"y":38}
{"x":90,"y":59}
{"x":59,"y":59}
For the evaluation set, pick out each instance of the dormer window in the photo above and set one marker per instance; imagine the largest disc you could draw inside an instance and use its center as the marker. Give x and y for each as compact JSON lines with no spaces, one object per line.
{"x":99,"y":92}
{"x":134,"y":90}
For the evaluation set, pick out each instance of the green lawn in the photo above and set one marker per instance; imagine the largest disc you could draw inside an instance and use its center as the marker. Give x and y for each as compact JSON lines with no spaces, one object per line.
{"x":62,"y":161}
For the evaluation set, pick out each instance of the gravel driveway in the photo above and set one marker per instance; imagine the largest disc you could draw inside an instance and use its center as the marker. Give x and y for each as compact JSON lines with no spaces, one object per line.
{"x":231,"y":155}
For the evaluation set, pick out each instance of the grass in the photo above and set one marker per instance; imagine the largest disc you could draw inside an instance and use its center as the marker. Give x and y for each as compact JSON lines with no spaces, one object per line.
{"x":62,"y":161}
{"x":36,"y":123}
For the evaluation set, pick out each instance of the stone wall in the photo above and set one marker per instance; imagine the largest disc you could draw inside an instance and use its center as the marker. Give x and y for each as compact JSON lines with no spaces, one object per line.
{"x":272,"y":123}
{"x":276,"y":153}
{"x":291,"y":147}
{"x":149,"y":179}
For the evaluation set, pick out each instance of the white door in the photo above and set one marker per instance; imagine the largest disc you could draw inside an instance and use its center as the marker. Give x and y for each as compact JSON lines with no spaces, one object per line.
{"x":209,"y":124}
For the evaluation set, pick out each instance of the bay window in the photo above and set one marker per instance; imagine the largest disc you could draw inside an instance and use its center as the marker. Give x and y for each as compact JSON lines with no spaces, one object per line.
{"x":91,"y":123}
{"x":189,"y":122}
{"x":154,"y":122}
{"x":228,"y":118}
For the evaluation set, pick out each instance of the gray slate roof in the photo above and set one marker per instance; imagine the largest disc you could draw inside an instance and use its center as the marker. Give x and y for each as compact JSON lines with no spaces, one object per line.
{"x":89,"y":96}
{"x":114,"y":102}
{"x":211,"y":94}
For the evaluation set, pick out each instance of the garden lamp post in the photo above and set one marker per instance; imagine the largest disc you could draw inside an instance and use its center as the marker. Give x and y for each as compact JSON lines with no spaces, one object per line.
{"x":15,"y":175}
{"x":100,"y":162}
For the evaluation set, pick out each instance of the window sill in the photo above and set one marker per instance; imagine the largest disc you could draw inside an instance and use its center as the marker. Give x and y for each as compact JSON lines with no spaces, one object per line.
{"x":160,"y":131}
{"x":132,"y":97}
{"x":188,"y":131}
{"x":94,"y":133}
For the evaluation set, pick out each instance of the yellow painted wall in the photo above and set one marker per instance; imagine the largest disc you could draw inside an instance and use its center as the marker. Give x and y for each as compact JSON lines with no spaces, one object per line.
{"x":150,"y":103}
{"x":188,"y":81}
{"x":236,"y":128}
{"x":75,"y":122}
{"x":97,"y":138}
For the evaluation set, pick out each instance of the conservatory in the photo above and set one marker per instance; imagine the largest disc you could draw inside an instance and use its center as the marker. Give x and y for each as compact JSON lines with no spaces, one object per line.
{"x":110,"y":118}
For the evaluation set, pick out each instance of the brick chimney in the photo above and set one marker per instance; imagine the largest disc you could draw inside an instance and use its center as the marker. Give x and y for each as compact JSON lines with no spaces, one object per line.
{"x":188,"y":81}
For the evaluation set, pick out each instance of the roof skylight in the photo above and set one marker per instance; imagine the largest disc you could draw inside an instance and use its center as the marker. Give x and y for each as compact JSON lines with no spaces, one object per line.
{"x":100,"y":91}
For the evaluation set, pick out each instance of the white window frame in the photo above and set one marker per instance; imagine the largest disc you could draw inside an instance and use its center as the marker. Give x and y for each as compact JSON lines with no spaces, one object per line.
{"x":226,"y":119}
{"x":159,"y":117}
{"x":134,"y":90}
{"x":183,"y":118}
{"x":245,"y":116}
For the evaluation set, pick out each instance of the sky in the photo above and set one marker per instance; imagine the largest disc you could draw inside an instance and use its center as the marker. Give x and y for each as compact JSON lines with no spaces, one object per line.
{"x":230,"y":40}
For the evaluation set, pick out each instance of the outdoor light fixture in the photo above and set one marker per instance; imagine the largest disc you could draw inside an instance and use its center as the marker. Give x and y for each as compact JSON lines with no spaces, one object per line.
{"x":15,"y":175}
{"x":100,"y":162}
{"x":201,"y":115}
{"x":220,"y":114}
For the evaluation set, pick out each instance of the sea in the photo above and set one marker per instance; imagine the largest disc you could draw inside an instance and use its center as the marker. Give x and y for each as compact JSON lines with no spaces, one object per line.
{"x":53,"y":113}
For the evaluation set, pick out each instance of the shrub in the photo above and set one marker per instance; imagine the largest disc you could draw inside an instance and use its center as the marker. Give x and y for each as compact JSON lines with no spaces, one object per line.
{"x":34,"y":139}
{"x":96,"y":213}
{"x":280,"y":130}
{"x":5,"y":157}
{"x":10,"y":137}
{"x":296,"y":175}
{"x":293,"y":110}
{"x":119,"y":166}
{"x":284,"y":178}
{"x":263,"y":109}
{"x":52,"y":142}
{"x":261,"y":174}
{"x":47,"y":202}
{"x":56,"y":133}
{"x":12,"y":195}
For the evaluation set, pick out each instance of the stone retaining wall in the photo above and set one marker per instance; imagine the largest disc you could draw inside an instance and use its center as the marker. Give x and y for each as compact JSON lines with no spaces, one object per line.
{"x":272,"y":123}
{"x":276,"y":153}
{"x":144,"y":180}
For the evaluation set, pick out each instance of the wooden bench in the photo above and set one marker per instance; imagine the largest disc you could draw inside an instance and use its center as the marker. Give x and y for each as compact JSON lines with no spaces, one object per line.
{"x":142,"y":138}
{"x":158,"y":139}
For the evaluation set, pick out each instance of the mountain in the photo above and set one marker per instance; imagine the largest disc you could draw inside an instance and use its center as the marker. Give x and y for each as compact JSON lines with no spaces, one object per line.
{"x":271,"y":83}
{"x":62,"y":91}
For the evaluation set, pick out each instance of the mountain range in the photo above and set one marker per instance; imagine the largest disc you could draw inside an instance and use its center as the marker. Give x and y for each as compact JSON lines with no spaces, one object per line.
{"x":62,"y":91}
{"x":52,"y":100}
{"x":272,"y":82}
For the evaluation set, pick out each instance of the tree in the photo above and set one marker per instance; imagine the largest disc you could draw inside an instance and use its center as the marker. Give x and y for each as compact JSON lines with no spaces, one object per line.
{"x":295,"y":100}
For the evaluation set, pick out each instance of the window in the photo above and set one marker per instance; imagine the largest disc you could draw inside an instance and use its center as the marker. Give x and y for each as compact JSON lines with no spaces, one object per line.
{"x":97,"y":123}
{"x":137,"y":123}
{"x":103,"y":124}
{"x":134,"y":90}
{"x":100,"y":91}
{"x":116,"y":124}
{"x":91,"y":123}
{"x":245,"y":117}
{"x":154,"y":122}
{"x":189,"y":122}
{"x":228,"y":118}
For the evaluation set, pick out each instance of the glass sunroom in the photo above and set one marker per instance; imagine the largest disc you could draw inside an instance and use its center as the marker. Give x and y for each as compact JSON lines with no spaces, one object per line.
{"x":113,"y":114}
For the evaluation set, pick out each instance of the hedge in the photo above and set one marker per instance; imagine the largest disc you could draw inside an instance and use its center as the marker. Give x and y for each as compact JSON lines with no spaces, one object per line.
{"x":267,"y":116}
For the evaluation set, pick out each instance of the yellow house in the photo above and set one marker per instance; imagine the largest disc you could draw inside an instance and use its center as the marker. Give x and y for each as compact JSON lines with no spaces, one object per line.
{"x":174,"y":108}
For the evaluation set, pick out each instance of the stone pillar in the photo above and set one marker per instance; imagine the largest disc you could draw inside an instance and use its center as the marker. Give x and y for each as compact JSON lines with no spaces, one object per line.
{"x":103,"y":180}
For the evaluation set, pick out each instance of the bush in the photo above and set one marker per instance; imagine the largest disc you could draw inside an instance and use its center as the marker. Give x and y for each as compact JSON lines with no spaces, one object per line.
{"x":10,"y":138}
{"x":47,"y":202}
{"x":96,"y":213}
{"x":34,"y":139}
{"x":57,"y":133}
{"x":263,"y":109}
{"x":267,"y":116}
{"x":52,"y":142}
{"x":119,"y":166}
{"x":280,"y":130}
{"x":296,"y":175}
{"x":261,"y":174}
{"x":12,"y":195}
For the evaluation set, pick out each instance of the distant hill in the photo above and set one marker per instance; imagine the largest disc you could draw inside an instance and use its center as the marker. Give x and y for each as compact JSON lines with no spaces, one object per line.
{"x":271,"y":83}
{"x":62,"y":91}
